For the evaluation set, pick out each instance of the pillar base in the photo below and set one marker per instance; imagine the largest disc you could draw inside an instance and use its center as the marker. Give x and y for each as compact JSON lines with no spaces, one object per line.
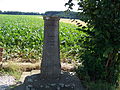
{"x":65,"y":81}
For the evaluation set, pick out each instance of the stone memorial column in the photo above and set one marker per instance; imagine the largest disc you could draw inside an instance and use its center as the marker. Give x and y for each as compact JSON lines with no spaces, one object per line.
{"x":51,"y":77}
{"x":50,"y":66}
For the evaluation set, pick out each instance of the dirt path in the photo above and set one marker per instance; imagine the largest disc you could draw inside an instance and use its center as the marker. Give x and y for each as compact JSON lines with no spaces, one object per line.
{"x":73,"y":22}
{"x":36,"y":66}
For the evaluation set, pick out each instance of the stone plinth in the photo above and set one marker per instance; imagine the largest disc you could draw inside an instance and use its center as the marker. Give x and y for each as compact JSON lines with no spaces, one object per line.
{"x":66,"y":81}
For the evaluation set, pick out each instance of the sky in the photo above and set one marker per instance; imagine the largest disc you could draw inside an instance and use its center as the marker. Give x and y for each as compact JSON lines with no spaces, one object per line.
{"x":40,"y":6}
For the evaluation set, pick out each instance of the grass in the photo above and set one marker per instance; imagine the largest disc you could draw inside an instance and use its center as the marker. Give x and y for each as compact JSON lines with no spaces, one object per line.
{"x":12,"y":70}
{"x":94,"y":85}
{"x":99,"y":86}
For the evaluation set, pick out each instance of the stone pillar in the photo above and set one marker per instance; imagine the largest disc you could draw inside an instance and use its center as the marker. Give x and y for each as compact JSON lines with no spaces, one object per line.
{"x":50,"y":66}
{"x":51,"y":77}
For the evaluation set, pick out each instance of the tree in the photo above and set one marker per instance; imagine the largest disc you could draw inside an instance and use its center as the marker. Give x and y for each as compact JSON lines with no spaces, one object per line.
{"x":0,"y":11}
{"x":101,"y":58}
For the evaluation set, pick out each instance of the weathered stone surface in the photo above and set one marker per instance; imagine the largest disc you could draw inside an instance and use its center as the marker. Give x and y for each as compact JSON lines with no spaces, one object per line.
{"x":65,"y":81}
{"x":50,"y":65}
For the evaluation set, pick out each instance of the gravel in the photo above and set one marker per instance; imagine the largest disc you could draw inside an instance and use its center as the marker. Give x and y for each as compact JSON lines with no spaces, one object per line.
{"x":6,"y":81}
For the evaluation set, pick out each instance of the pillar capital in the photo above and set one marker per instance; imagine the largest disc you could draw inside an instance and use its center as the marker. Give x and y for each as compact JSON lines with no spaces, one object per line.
{"x":51,"y":18}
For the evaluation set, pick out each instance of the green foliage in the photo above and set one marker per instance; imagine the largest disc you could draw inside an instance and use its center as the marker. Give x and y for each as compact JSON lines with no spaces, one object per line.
{"x":98,"y":85}
{"x":22,"y":37}
{"x":101,"y":59}
{"x":69,"y":41}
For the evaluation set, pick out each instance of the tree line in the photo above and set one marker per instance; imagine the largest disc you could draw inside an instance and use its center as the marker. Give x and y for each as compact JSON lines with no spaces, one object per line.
{"x":61,"y":14}
{"x":19,"y":13}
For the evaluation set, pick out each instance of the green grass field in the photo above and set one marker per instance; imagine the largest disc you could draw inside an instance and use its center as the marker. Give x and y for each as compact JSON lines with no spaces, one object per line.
{"x":21,"y":36}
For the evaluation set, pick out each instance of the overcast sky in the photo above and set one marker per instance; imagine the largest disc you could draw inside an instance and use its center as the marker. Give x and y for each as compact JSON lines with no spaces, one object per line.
{"x":33,"y":5}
